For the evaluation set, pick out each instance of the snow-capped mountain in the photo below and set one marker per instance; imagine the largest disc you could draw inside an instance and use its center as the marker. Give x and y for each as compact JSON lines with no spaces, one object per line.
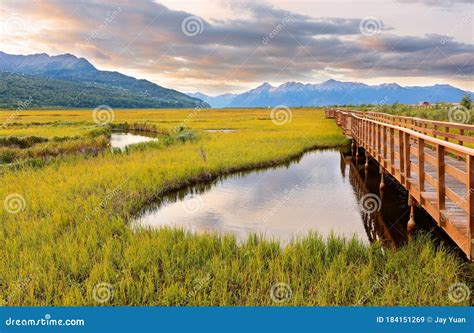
{"x":332,"y":92}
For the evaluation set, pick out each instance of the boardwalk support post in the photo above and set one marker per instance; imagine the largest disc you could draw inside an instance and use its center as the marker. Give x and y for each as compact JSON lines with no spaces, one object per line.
{"x":382,"y":182}
{"x":357,"y":152}
{"x":411,"y":222}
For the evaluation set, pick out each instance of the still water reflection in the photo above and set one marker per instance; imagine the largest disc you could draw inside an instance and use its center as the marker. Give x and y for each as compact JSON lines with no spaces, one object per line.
{"x":322,"y":191}
{"x":122,"y":140}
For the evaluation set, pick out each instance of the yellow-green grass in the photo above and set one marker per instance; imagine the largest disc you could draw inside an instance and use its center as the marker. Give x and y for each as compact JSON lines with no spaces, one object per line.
{"x":161,"y":116}
{"x":47,"y":150}
{"x":72,"y":231}
{"x":48,"y":131}
{"x":20,"y":142}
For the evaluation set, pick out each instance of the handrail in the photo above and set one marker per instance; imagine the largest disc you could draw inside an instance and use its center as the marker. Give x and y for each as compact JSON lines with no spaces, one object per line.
{"x":467,"y":127}
{"x":431,"y":126}
{"x":463,"y":149}
{"x":429,"y":121}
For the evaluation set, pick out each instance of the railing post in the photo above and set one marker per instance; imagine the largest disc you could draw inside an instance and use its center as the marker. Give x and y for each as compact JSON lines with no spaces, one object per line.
{"x":401,"y":152}
{"x":374,"y":140}
{"x":369,"y":136}
{"x":470,"y":203}
{"x":392,"y":150}
{"x":461,"y":133}
{"x":384,"y":146}
{"x":421,"y":167}
{"x":440,"y":170}
{"x":379,"y":143}
{"x":345,"y":123}
{"x":366,"y":128}
{"x":407,"y":160}
{"x":357,"y":127}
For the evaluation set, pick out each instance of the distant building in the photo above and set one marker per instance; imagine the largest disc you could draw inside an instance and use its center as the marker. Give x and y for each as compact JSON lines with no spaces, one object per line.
{"x":424,"y":104}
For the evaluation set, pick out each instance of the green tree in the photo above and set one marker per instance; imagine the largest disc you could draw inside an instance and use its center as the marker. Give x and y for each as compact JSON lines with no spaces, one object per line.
{"x":466,"y":102}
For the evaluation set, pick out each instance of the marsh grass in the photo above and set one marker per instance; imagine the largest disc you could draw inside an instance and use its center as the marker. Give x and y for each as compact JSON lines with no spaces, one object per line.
{"x":54,"y":148}
{"x":72,"y":230}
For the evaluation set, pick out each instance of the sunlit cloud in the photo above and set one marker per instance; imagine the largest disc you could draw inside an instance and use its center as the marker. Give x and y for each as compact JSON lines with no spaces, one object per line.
{"x":261,"y":43}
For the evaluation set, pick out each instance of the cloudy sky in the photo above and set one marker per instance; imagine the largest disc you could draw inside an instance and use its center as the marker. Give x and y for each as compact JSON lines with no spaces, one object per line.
{"x":216,"y":46}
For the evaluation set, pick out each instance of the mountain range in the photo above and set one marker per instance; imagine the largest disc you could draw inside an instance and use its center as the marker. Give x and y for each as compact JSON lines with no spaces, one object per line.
{"x":332,"y":92}
{"x":68,"y":81}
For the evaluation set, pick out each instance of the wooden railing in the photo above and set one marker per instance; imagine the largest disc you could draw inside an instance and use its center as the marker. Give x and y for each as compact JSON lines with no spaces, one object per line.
{"x":438,"y":174}
{"x":448,"y":131}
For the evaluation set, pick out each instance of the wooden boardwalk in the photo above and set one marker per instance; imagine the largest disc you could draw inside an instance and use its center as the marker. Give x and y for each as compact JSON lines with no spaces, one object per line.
{"x":428,"y":158}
